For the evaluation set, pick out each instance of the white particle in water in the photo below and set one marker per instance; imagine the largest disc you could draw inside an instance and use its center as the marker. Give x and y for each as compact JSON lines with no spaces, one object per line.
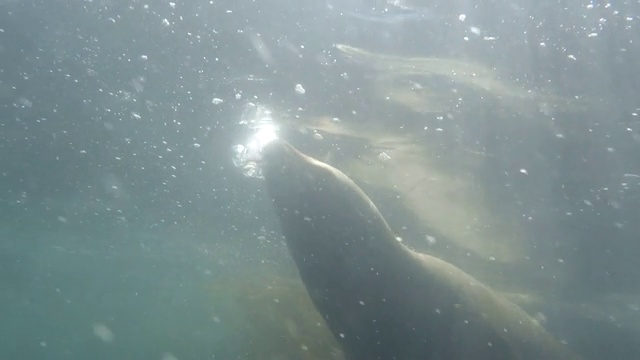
{"x":383,"y":156}
{"x":25,"y":103}
{"x":169,"y":356}
{"x":103,"y":332}
{"x":540,"y":318}
{"x":524,"y":171}
{"x":300,"y":89}
{"x":217,"y":101}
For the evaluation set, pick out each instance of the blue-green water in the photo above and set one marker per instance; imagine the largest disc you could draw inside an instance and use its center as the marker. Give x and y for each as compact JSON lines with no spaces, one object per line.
{"x":127,"y":230}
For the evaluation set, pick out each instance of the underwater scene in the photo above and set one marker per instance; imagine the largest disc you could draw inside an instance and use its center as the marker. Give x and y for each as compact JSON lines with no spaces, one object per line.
{"x":319,"y":179}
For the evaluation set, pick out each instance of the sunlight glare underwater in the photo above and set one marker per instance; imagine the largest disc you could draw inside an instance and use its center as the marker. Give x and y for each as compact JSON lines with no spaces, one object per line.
{"x":263,"y":130}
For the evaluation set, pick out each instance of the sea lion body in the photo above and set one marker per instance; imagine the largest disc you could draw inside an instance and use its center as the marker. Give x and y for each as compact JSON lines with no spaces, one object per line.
{"x":380,"y":299}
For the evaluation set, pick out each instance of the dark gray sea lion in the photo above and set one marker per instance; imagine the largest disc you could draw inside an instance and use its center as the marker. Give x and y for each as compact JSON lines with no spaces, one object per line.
{"x":380,"y":299}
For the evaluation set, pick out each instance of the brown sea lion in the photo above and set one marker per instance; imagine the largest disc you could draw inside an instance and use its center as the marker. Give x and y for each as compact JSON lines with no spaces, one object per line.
{"x":380,"y":299}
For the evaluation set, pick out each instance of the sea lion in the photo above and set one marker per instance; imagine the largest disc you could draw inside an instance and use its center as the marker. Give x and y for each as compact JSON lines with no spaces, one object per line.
{"x":380,"y":299}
